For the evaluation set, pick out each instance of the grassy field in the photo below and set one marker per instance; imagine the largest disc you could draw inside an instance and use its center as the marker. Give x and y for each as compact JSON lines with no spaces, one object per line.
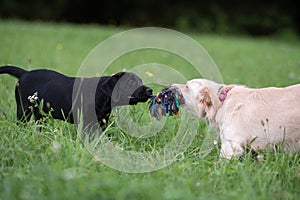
{"x":49,"y":161}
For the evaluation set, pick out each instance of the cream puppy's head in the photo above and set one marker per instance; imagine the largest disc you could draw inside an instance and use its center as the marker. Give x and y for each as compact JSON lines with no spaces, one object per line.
{"x":201,"y":97}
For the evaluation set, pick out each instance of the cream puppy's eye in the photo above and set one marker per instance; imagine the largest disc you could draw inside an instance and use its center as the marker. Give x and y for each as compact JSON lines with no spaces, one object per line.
{"x":186,"y":86}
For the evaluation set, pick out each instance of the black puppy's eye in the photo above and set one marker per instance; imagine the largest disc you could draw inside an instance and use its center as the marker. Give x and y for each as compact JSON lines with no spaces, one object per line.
{"x":132,"y":82}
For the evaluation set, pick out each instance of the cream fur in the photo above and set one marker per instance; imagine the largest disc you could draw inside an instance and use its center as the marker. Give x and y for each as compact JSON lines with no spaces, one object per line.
{"x":253,"y":118}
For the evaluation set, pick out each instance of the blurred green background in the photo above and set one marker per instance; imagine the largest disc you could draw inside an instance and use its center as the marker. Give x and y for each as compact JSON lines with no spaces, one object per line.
{"x":220,"y":16}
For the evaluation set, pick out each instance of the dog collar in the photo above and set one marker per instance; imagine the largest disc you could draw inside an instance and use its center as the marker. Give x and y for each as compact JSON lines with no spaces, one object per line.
{"x":223,"y":96}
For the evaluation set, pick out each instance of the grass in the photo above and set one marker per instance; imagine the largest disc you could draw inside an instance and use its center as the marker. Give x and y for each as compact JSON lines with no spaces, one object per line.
{"x":49,"y":161}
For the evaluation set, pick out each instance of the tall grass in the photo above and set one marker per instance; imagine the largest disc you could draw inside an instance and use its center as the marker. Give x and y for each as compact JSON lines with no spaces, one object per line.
{"x":49,"y":161}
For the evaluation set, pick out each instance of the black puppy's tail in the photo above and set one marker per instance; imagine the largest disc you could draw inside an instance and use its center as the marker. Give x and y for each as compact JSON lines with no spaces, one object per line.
{"x":14,"y":71}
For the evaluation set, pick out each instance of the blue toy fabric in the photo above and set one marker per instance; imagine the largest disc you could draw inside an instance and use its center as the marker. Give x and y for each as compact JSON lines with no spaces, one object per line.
{"x":165,"y":102}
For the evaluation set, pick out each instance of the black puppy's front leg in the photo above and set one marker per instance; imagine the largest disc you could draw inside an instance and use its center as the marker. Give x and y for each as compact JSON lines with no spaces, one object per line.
{"x":103,"y":120}
{"x":23,"y":115}
{"x":93,"y":123}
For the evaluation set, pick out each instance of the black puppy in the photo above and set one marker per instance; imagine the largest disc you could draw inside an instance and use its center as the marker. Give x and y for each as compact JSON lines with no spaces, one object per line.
{"x":67,"y":97}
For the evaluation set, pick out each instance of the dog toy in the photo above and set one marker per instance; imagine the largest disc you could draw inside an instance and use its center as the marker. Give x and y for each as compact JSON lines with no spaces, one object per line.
{"x":165,"y":102}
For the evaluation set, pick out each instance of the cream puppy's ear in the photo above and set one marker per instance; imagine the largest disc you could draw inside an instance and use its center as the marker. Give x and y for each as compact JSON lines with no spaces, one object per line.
{"x":204,"y":101}
{"x":204,"y":97}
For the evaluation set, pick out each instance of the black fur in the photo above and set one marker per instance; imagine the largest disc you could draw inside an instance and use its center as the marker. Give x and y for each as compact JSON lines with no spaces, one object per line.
{"x":93,"y":97}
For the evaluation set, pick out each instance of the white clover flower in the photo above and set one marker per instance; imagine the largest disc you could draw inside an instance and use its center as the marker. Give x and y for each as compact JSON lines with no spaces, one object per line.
{"x":56,"y":146}
{"x":215,"y":142}
{"x":33,"y":98}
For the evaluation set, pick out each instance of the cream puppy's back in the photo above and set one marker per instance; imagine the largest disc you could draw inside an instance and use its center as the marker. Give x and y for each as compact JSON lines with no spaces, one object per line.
{"x":258,"y":117}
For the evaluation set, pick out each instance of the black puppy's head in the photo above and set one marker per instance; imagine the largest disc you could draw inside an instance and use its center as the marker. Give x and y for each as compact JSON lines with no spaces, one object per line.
{"x":126,"y":88}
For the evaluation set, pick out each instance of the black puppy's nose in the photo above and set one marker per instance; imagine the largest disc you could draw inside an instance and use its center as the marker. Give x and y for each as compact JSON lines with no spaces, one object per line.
{"x":170,"y":87}
{"x":149,"y":90}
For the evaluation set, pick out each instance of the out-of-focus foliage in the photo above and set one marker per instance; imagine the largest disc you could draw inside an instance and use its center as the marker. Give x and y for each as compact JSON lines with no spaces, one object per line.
{"x":254,"y":17}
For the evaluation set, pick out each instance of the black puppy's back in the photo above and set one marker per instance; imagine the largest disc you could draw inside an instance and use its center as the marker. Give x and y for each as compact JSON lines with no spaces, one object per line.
{"x":53,"y":88}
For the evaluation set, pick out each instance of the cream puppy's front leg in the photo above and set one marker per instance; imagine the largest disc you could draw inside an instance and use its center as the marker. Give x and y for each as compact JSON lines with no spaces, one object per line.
{"x":230,"y":150}
{"x":231,"y":144}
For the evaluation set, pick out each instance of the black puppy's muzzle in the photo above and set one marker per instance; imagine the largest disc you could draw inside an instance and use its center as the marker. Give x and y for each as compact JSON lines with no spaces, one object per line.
{"x":141,"y":94}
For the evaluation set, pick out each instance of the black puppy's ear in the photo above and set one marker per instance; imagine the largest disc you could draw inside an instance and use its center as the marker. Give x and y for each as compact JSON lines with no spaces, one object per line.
{"x":108,"y":86}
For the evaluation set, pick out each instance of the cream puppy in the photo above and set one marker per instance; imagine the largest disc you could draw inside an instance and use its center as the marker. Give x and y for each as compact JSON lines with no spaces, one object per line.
{"x":245,"y":117}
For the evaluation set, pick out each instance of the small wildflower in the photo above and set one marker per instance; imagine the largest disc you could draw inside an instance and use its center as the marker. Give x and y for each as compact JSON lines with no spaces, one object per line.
{"x":149,"y":74}
{"x":98,"y":74}
{"x":33,"y":98}
{"x":56,"y":146}
{"x":292,"y":75}
{"x":96,"y":159}
{"x":215,"y":142}
{"x":259,"y":158}
{"x":59,"y":46}
{"x":71,"y":173}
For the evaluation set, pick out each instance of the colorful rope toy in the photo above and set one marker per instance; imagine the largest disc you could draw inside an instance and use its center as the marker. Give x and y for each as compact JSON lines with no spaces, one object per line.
{"x":165,"y":102}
